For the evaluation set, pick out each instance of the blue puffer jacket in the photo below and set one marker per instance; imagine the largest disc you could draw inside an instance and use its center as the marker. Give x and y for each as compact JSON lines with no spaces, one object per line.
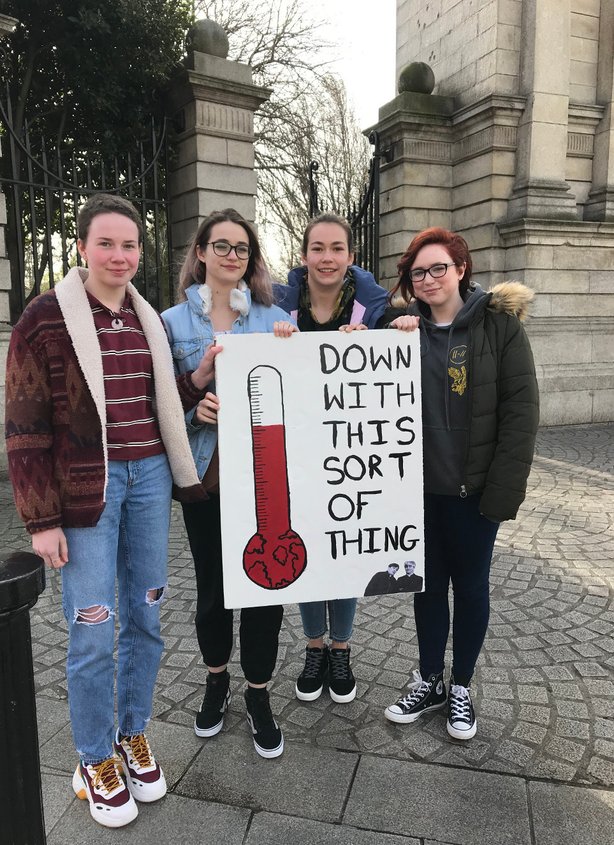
{"x":190,"y":333}
{"x":369,"y":302}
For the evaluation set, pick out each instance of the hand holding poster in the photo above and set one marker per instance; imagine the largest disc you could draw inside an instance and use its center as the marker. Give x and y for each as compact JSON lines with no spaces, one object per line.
{"x":320,"y":466}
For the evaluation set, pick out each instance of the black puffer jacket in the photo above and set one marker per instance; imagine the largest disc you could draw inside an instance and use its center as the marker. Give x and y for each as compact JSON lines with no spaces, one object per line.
{"x":503,"y":400}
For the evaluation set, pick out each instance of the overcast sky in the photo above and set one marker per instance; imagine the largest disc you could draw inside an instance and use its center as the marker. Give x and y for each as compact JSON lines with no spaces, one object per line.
{"x":365,"y":33}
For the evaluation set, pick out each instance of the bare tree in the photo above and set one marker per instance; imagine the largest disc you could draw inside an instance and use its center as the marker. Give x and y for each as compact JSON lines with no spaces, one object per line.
{"x":307,"y":117}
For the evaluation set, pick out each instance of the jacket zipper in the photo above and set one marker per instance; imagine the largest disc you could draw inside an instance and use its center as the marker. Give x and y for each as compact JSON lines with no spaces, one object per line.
{"x":463,"y":488}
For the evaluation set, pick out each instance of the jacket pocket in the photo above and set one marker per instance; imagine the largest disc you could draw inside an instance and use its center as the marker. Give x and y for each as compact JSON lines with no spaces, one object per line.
{"x":186,"y":354}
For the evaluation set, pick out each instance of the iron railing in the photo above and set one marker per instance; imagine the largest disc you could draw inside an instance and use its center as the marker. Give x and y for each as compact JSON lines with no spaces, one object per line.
{"x":44,"y":187}
{"x":363,"y":216}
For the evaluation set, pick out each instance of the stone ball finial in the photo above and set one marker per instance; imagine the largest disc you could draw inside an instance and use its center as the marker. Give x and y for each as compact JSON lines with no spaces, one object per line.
{"x":417,"y":77}
{"x":206,"y":36}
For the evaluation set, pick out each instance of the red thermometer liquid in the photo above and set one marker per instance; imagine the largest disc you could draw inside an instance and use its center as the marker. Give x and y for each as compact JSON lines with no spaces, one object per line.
{"x":275,"y":556}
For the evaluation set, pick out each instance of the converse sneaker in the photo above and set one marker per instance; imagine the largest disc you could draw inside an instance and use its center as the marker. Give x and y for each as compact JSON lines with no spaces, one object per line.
{"x":341,"y":683}
{"x":267,"y":736}
{"x":210,"y":718}
{"x":461,"y":723}
{"x":144,"y":777}
{"x":111,"y":803}
{"x":421,"y":697}
{"x":311,"y":680}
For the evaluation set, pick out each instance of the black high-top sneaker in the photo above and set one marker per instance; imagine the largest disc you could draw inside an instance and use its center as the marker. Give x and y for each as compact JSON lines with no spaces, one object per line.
{"x":210,"y":718}
{"x":267,"y":735}
{"x":421,"y":697}
{"x":341,"y":682}
{"x":461,"y":723}
{"x":311,"y":680}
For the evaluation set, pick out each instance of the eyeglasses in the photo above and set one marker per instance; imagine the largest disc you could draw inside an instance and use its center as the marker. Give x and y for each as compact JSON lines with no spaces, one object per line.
{"x":436,"y":271}
{"x":223,"y":248}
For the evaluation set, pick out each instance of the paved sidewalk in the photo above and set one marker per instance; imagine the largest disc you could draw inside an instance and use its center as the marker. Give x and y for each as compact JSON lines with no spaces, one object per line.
{"x":540,"y":770}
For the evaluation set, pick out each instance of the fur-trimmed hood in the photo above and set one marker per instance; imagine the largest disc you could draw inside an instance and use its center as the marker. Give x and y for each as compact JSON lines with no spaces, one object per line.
{"x":511,"y":298}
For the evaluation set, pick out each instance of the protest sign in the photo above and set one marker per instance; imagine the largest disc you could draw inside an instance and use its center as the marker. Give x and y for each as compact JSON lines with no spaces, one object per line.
{"x":320,"y":446}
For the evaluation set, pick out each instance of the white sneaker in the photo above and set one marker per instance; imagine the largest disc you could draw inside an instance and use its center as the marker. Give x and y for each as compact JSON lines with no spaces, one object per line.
{"x":144,"y":777}
{"x":111,"y":803}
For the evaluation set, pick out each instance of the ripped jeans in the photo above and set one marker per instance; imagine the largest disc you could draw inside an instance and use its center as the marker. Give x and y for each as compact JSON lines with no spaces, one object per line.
{"x":130,"y":544}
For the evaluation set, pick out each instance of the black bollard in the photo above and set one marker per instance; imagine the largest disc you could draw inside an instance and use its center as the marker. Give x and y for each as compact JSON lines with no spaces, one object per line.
{"x":22,"y":580}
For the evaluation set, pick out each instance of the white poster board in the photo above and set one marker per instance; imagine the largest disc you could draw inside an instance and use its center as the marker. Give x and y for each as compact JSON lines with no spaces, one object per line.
{"x":320,"y":446}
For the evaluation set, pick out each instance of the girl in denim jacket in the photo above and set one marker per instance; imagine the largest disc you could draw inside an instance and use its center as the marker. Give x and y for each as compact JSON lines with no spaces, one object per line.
{"x":224,"y":288}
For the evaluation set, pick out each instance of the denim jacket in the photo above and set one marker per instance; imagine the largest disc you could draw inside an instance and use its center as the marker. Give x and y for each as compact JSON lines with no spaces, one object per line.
{"x":190,"y":333}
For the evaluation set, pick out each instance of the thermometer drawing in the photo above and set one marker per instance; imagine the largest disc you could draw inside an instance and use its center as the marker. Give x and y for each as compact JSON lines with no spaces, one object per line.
{"x":275,"y":556}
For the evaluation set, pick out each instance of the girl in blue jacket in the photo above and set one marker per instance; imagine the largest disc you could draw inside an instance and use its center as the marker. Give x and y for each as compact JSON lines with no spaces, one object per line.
{"x":328,"y":293}
{"x":224,"y":288}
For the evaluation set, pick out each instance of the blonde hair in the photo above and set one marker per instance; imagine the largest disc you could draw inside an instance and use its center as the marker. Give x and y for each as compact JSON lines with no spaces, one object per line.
{"x":256,"y":276}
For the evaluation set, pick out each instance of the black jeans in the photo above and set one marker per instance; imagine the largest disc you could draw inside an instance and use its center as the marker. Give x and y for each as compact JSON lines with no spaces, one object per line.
{"x":458,"y":548}
{"x":259,"y":628}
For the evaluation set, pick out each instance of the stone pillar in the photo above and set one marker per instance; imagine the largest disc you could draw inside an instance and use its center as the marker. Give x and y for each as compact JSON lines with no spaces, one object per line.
{"x":212,"y":101}
{"x":7,"y":25}
{"x":541,"y":189}
{"x":600,"y":203}
{"x":415,"y":131}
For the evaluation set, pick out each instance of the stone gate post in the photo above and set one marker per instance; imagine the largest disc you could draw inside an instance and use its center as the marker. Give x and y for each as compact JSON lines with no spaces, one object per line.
{"x":212,"y":101}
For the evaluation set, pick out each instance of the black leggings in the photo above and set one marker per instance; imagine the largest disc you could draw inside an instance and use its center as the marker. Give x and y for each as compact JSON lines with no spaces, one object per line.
{"x":458,"y":548}
{"x":259,"y":628}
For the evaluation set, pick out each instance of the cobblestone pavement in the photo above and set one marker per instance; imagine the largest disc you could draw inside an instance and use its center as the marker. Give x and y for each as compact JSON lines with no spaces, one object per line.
{"x":545,"y":680}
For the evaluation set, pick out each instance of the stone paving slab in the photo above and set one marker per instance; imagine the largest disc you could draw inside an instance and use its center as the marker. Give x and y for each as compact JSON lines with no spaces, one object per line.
{"x":567,"y":815}
{"x":174,"y":821}
{"x":269,"y":829}
{"x":304,"y":781}
{"x":57,"y":797}
{"x":422,"y":800}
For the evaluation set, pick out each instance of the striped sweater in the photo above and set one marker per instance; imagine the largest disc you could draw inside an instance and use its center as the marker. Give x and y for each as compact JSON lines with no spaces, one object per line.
{"x":55,"y":409}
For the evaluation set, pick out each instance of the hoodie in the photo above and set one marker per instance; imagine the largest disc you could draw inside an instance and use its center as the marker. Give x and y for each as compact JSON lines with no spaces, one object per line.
{"x":480,"y":399}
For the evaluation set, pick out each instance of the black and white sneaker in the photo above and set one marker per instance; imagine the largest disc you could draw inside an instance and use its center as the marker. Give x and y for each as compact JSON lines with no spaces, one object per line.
{"x":341,"y":682}
{"x":421,"y":697}
{"x":461,"y":723}
{"x":267,"y":736}
{"x":210,"y":718}
{"x":311,"y":680}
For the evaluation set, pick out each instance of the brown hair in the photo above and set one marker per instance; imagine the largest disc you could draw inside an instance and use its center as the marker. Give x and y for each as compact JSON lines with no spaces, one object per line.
{"x":106,"y":204}
{"x":256,"y":276}
{"x":454,"y":244}
{"x":328,"y":218}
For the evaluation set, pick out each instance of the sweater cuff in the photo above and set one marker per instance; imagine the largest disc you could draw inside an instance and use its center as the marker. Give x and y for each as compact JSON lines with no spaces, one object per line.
{"x":34,"y":526}
{"x":190,"y":395}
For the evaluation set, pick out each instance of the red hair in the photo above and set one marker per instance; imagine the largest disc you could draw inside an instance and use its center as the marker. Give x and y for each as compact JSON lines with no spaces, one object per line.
{"x":454,"y":244}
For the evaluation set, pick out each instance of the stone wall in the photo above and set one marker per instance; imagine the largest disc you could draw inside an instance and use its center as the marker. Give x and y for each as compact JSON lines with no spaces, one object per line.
{"x":515,"y":149}
{"x":473,"y":46}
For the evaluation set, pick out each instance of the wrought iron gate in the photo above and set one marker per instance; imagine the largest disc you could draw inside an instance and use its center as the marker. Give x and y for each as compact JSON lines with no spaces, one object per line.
{"x":44,"y":187}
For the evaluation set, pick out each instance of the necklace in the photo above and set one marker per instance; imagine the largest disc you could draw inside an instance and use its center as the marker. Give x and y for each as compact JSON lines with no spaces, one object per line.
{"x":116,"y":320}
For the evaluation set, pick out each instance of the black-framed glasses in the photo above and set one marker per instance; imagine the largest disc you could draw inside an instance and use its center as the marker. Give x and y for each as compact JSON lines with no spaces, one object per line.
{"x":223,"y":248}
{"x":436,"y":271}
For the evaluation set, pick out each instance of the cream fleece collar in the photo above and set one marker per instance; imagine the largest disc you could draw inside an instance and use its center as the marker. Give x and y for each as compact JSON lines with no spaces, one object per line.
{"x":239,"y":300}
{"x":75,"y":308}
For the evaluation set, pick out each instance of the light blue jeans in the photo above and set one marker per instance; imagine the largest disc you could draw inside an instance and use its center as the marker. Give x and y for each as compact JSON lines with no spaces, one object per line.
{"x":340,"y":616}
{"x":130,"y":544}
